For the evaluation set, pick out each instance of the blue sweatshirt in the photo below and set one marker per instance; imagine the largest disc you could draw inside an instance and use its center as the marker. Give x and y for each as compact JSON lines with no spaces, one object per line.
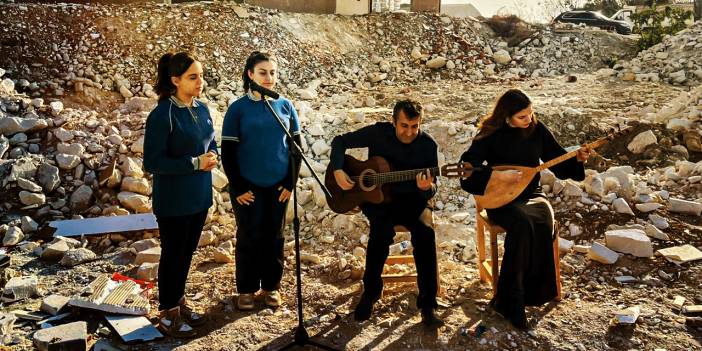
{"x":175,"y":136}
{"x":262,"y":152}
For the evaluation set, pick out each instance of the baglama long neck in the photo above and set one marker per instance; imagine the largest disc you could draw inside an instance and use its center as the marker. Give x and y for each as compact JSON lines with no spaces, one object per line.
{"x":568,"y":155}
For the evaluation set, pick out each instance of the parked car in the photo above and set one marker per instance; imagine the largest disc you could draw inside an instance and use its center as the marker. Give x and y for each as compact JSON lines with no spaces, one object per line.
{"x":594,"y":19}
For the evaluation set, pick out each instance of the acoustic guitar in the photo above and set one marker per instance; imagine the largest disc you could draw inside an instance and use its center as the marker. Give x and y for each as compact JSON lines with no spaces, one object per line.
{"x":372,"y":178}
{"x":499,"y":193}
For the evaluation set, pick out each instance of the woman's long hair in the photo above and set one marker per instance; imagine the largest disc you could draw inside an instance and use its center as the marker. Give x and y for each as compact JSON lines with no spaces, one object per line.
{"x":171,"y":65}
{"x":254,"y":58}
{"x":507,"y":105}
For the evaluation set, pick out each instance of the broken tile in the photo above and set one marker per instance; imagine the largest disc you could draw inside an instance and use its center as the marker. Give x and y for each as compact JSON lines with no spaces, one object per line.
{"x":132,"y":328}
{"x":53,"y":304}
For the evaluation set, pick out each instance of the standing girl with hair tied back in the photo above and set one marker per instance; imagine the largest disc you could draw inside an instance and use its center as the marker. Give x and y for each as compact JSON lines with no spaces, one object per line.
{"x":180,"y":151}
{"x":511,"y":135}
{"x":255,"y":156}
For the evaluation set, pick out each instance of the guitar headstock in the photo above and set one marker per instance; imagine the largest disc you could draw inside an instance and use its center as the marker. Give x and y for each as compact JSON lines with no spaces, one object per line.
{"x":457,"y":170}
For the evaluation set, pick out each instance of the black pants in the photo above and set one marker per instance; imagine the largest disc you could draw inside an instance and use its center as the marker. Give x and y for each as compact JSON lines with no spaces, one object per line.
{"x":179,"y":238}
{"x":259,"y":241}
{"x":527,"y":276}
{"x":382,"y":220}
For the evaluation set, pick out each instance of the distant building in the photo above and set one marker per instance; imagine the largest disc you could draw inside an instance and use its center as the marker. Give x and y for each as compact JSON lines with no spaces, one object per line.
{"x":456,"y":9}
{"x":342,"y":7}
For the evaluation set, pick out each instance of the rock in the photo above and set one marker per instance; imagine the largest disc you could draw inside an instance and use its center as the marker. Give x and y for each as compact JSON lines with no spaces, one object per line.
{"x":148,"y":271}
{"x":631,"y":241}
{"x":572,"y":189}
{"x":564,"y":245}
{"x":310,"y":258}
{"x":29,"y":225}
{"x":13,"y":125}
{"x":206,"y":238}
{"x":22,"y":168}
{"x":648,"y":207}
{"x":27,"y":198}
{"x":134,"y":202}
{"x":658,"y":221}
{"x":641,"y":141}
{"x":684,"y":206}
{"x":547,"y":177}
{"x":55,"y":251}
{"x":131,"y":168}
{"x":219,"y":179}
{"x":71,"y":149}
{"x":222,"y":256}
{"x":145,"y":244}
{"x":602,"y":254}
{"x":654,"y":232}
{"x":48,"y":177}
{"x":138,"y":145}
{"x":18,"y":288}
{"x":28,"y":185}
{"x":63,"y":135}
{"x":621,"y":206}
{"x":66,"y":161}
{"x":437,"y":62}
{"x":136,"y":185}
{"x":82,"y":198}
{"x":53,"y":304}
{"x":152,"y":255}
{"x":56,"y":108}
{"x":320,"y":147}
{"x":77,"y":256}
{"x":13,"y":236}
{"x":502,"y":57}
{"x":71,"y":336}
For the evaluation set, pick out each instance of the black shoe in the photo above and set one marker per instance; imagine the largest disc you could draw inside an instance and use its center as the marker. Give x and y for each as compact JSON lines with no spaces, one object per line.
{"x":430,"y":319}
{"x":364,"y":308}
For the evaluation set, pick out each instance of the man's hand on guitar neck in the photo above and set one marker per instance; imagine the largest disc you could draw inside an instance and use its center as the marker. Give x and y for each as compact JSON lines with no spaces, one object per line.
{"x":343,"y":179}
{"x":425,"y":180}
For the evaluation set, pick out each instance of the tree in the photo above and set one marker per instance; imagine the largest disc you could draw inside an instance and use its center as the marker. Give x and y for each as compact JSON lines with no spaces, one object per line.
{"x":607,"y":7}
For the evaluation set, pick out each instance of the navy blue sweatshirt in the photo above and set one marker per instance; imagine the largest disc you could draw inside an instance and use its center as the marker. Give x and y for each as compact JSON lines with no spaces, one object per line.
{"x":175,"y":136}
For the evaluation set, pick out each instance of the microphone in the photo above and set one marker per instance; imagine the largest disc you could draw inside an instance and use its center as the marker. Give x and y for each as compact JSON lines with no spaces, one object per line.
{"x":263,"y":91}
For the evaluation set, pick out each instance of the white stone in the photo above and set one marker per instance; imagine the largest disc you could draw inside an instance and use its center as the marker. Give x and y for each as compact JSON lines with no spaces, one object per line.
{"x":151,"y":255}
{"x":75,"y":149}
{"x":572,"y":189}
{"x":56,"y":108}
{"x":502,"y":57}
{"x":206,"y":238}
{"x":138,"y":145}
{"x":679,"y":124}
{"x":29,"y":198}
{"x":621,"y":206}
{"x":654,"y":232}
{"x":136,"y":185}
{"x":77,"y":256}
{"x":602,"y":254}
{"x":134,"y":202}
{"x":648,"y":207}
{"x":684,"y":206}
{"x":219,"y":179}
{"x":641,"y":141}
{"x":316,"y":130}
{"x":631,"y":241}
{"x":437,"y":62}
{"x":658,"y":221}
{"x":66,"y":161}
{"x":564,"y":245}
{"x":320,"y":147}
{"x":62,"y":134}
{"x":148,"y":271}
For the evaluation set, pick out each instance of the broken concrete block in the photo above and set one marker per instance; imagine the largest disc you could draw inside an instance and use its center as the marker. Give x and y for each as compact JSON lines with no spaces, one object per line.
{"x":631,"y":241}
{"x":105,"y":294}
{"x":145,"y":244}
{"x":684,"y":206}
{"x":20,"y":288}
{"x":77,"y":256}
{"x":147,"y":271}
{"x":55,"y":251}
{"x":68,"y":337}
{"x":151,"y":255}
{"x":602,"y":254}
{"x":681,"y":254}
{"x":53,"y":304}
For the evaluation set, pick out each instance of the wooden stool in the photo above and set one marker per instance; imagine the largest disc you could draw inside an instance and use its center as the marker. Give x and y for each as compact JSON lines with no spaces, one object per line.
{"x":428,"y":218}
{"x":489,"y":272}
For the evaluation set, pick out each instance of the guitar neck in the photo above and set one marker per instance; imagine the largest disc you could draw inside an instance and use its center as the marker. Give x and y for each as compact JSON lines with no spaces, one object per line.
{"x":401,"y":176}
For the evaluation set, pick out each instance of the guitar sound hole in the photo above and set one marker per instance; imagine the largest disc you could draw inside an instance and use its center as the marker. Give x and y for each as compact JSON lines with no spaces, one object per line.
{"x":367,"y":182}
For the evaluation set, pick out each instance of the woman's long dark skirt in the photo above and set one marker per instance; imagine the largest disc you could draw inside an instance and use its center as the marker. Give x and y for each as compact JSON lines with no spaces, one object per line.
{"x":527,"y":276}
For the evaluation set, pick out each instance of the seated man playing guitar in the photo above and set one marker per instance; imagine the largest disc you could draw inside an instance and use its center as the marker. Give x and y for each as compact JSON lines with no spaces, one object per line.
{"x":405,"y":146}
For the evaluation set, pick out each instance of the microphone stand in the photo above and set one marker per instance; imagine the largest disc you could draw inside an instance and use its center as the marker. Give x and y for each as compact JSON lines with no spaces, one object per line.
{"x":302,"y":338}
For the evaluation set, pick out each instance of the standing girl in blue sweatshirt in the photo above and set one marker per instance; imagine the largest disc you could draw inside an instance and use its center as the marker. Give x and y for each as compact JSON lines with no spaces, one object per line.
{"x":255,"y":156}
{"x":180,"y":151}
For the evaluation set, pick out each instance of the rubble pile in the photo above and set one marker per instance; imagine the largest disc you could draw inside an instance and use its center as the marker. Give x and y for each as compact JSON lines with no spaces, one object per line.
{"x":676,"y":60}
{"x":92,"y":49}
